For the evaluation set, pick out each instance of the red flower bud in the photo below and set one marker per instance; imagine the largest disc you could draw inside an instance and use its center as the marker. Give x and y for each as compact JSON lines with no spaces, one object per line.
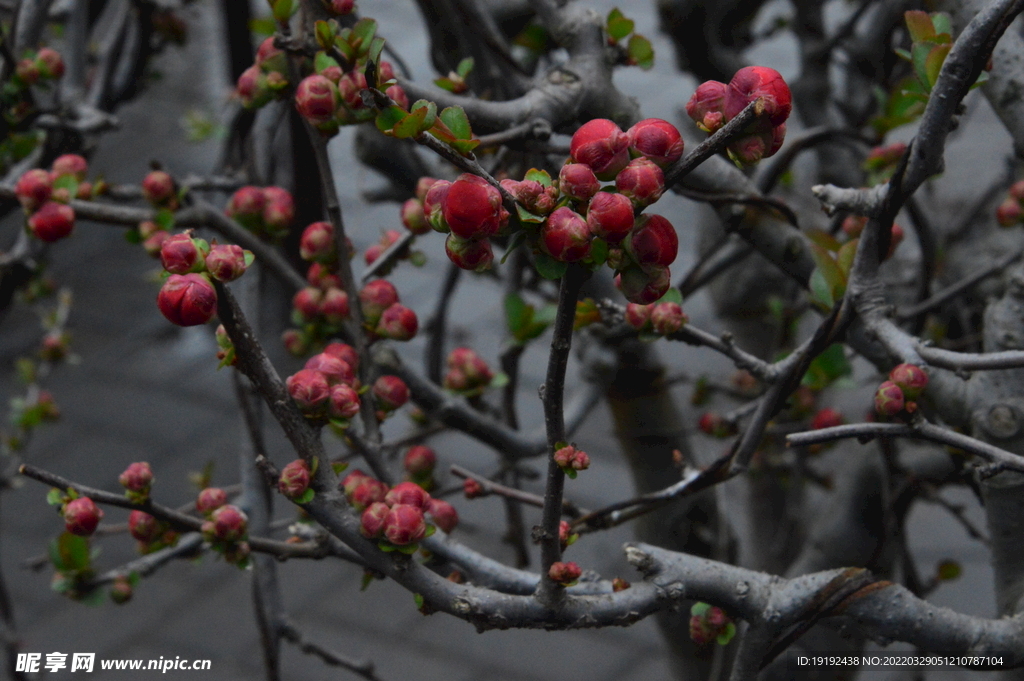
{"x":278,"y":209}
{"x":34,"y":188}
{"x":137,"y":477}
{"x":565,"y":236}
{"x":423,"y":185}
{"x":69,"y":164}
{"x":1007,"y":215}
{"x":601,"y":145}
{"x":52,"y":222}
{"x":309,"y":389}
{"x":653,"y":242}
{"x":294,"y":480}
{"x":570,"y":457}
{"x":638,"y":316}
{"x":252,"y":89}
{"x":334,"y":369}
{"x":316,"y":99}
{"x":657,"y":140}
{"x":467,"y":371}
{"x":371,"y":524}
{"x":667,"y":318}
{"x":469,"y":254}
{"x":444,"y":514}
{"x":317,"y":243}
{"x":180,"y":254}
{"x":911,"y":379}
{"x":144,"y":527}
{"x":81,"y":516}
{"x":472,"y":489}
{"x":408,"y":493}
{"x":532,"y":195}
{"x":226,"y":262}
{"x":391,"y":392}
{"x":377,"y":296}
{"x":210,"y":499}
{"x":226,"y":524}
{"x":707,"y":106}
{"x":50,"y":63}
{"x":367,"y":492}
{"x":334,"y":305}
{"x":320,"y":276}
{"x":610,"y":216}
{"x":397,"y":94}
{"x":187,"y":299}
{"x":641,"y":181}
{"x":826,"y":418}
{"x":578,"y":181}
{"x":404,"y":525}
{"x":413,"y":217}
{"x":564,"y":573}
{"x":158,"y":188}
{"x":346,"y":353}
{"x":351,"y":481}
{"x":350,"y":88}
{"x":246,"y":207}
{"x":344,"y":402}
{"x":889,"y":399}
{"x":267,"y":51}
{"x":398,"y":323}
{"x":28,"y":71}
{"x":433,"y":205}
{"x":341,"y":6}
{"x":564,"y":533}
{"x":307,"y":303}
{"x":472,"y":208}
{"x":419,"y":460}
{"x":753,"y":82}
{"x":643,"y":286}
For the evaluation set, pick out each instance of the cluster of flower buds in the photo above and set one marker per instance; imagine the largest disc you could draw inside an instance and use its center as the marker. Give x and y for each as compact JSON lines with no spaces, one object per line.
{"x":152,"y":533}
{"x":327,"y":386}
{"x":320,"y":309}
{"x":714,"y":104}
{"x":188,"y":297}
{"x":81,"y":516}
{"x":294,"y":481}
{"x":853,"y":226}
{"x":227,"y":528}
{"x":332,"y":97}
{"x":709,"y":624}
{"x":566,"y":537}
{"x":45,"y":196}
{"x":419,"y":463}
{"x":1010,"y":211}
{"x":383,"y":314}
{"x":468,"y":374}
{"x":398,"y":514}
{"x":414,"y":215}
{"x":265,"y":211}
{"x":137,"y":480}
{"x":46,"y":64}
{"x":899,"y":394}
{"x":571,"y":460}
{"x":266,"y":79}
{"x":662,"y":319}
{"x":564,"y":574}
{"x":470,"y":211}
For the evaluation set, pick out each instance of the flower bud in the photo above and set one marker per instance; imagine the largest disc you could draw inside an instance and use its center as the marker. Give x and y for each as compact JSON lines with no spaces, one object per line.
{"x":656,"y":140}
{"x":317,"y":243}
{"x":707,"y":624}
{"x":371,"y":523}
{"x":144,"y":527}
{"x":246,"y":207}
{"x":187,"y":299}
{"x":278,"y":210}
{"x":397,"y":94}
{"x":158,"y":188}
{"x":911,"y":379}
{"x":707,"y":106}
{"x":334,"y":369}
{"x":121,"y":590}
{"x":69,"y":164}
{"x":564,"y":534}
{"x":641,"y":181}
{"x":469,"y":254}
{"x":565,"y":236}
{"x":28,"y":71}
{"x":753,"y":82}
{"x":643,"y":286}
{"x":532,"y":195}
{"x":316,"y":99}
{"x":472,"y":489}
{"x":433,"y":205}
{"x":210,"y":499}
{"x":638,"y":316}
{"x":390,"y":392}
{"x":226,"y":262}
{"x":404,"y":525}
{"x":346,"y":353}
{"x":320,"y":276}
{"x":50,"y":63}
{"x":467,"y":371}
{"x":344,"y":402}
{"x":341,"y":7}
{"x":398,"y":323}
{"x":307,"y":303}
{"x":420,"y":460}
{"x":137,"y":477}
{"x":826,"y":418}
{"x":653,"y":242}
{"x":472,"y":208}
{"x":267,"y":52}
{"x":619,"y":584}
{"x":408,"y":493}
{"x":1007,"y":215}
{"x":444,"y":514}
{"x":601,"y":145}
{"x":889,"y":399}
{"x":226,"y":524}
{"x":81,"y":516}
{"x":610,"y":216}
{"x":424,"y":184}
{"x":84,"y":192}
{"x":413,"y":217}
{"x":309,"y":389}
{"x":564,"y":573}
{"x":334,"y":307}
{"x":155,"y":242}
{"x":52,"y":222}
{"x":34,"y":188}
{"x":667,"y":318}
{"x":294,"y":480}
{"x":181,"y":254}
{"x":350,"y":89}
{"x":351,"y":481}
{"x":578,"y":181}
{"x":376,"y":297}
{"x":570,"y":457}
{"x":252,"y":89}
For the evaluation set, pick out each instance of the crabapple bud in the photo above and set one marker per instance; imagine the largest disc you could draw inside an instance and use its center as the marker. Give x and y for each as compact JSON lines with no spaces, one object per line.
{"x":181,"y":254}
{"x":889,"y":399}
{"x":144,"y":527}
{"x":344,"y":402}
{"x":565,"y":236}
{"x":404,"y":525}
{"x":278,"y":209}
{"x":226,"y":262}
{"x":317,"y":243}
{"x":398,"y":323}
{"x":341,"y":6}
{"x":472,"y":208}
{"x":371,"y":523}
{"x":50,"y":63}
{"x":246,"y":207}
{"x":294,"y":480}
{"x":69,"y":164}
{"x":707,"y":106}
{"x":81,"y":516}
{"x":334,"y":305}
{"x":251,"y":88}
{"x":350,"y":88}
{"x":653,"y":242}
{"x":564,"y":573}
{"x":911,"y":379}
{"x":309,"y":389}
{"x":642,"y":181}
{"x":564,"y":534}
{"x":413,"y":217}
{"x":268,"y":51}
{"x":408,"y":493}
{"x":638,"y":316}
{"x":469,"y":254}
{"x":826,"y":418}
{"x":377,"y":296}
{"x":643,"y":286}
{"x":423,"y":184}
{"x":187,"y":299}
{"x":570,"y":457}
{"x":316,"y":99}
{"x":667,"y":318}
{"x":578,"y":181}
{"x":28,"y":71}
{"x":158,"y":188}
{"x":444,"y":514}
{"x":320,"y":276}
{"x":367,"y":492}
{"x":346,"y":353}
{"x":52,"y":222}
{"x":602,"y":145}
{"x":1007,"y":215}
{"x":656,"y":140}
{"x":753,"y":82}
{"x":33,"y":189}
{"x":419,"y":460}
{"x":532,"y":195}
{"x":307,"y":302}
{"x":334,"y":369}
{"x":433,"y":205}
{"x":226,"y":524}
{"x":210,"y":499}
{"x":349,"y":483}
{"x":391,"y":392}
{"x":121,"y":590}
{"x":137,"y":477}
{"x":397,"y":94}
{"x":610,"y":216}
{"x":472,"y":489}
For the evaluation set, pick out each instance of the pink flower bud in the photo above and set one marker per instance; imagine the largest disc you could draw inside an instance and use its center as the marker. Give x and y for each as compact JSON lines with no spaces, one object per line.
{"x":187,"y":299}
{"x":317,"y":243}
{"x":889,"y":399}
{"x":267,"y":51}
{"x":307,"y":303}
{"x":346,"y":353}
{"x":610,"y":216}
{"x":757,"y":144}
{"x":52,"y":222}
{"x":472,"y":489}
{"x":656,"y":140}
{"x":28,"y":71}
{"x":316,"y":99}
{"x":210,"y":499}
{"x":564,"y":533}
{"x":467,"y":371}
{"x":180,"y":254}
{"x":398,"y":323}
{"x":570,"y":457}
{"x":144,"y":527}
{"x":50,"y":63}
{"x":601,"y":145}
{"x":565,"y":236}
{"x":246,"y":207}
{"x":641,"y":181}
{"x":532,"y":195}
{"x":137,"y":477}
{"x":826,"y":418}
{"x":350,"y":89}
{"x":424,"y":184}
{"x":419,"y":460}
{"x":653,"y":242}
{"x":444,"y":514}
{"x":341,"y":7}
{"x":226,"y":524}
{"x":408,"y":493}
{"x":707,"y":106}
{"x":377,"y":296}
{"x":320,"y":276}
{"x":1007,"y":215}
{"x":397,"y":94}
{"x":344,"y":402}
{"x":404,"y":525}
{"x":367,"y":492}
{"x":413,"y":217}
{"x":391,"y":392}
{"x":155,"y":242}
{"x":472,"y":208}
{"x":564,"y":573}
{"x":753,"y":82}
{"x":34,"y":188}
{"x":69,"y":164}
{"x":643,"y":286}
{"x":667,"y":318}
{"x":81,"y":516}
{"x":433,"y":205}
{"x":251,"y":88}
{"x":84,"y":192}
{"x":469,"y":254}
{"x":226,"y":262}
{"x":911,"y":379}
{"x":349,"y":483}
{"x":278,"y":209}
{"x":1017,"y":190}
{"x":578,"y":181}
{"x":638,"y":316}
{"x":371,"y":523}
{"x":294,"y":480}
{"x":158,"y":187}
{"x":334,"y":369}
{"x":309,"y":389}
{"x":334,"y":307}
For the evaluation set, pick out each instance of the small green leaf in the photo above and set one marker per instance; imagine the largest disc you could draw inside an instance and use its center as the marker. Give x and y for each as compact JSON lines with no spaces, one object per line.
{"x":823,"y":239}
{"x":920,"y":25}
{"x":933,"y":63}
{"x":672,"y":295}
{"x":389,"y":117}
{"x":947,"y":570}
{"x":821,"y":292}
{"x":500,"y":380}
{"x":54,"y":497}
{"x":411,"y":125}
{"x":827,"y":367}
{"x":845,"y":256}
{"x":430,"y":531}
{"x":540,"y":176}
{"x":262,"y":26}
{"x":446,"y":84}
{"x":618,"y":26}
{"x":408,"y":549}
{"x":598,"y":251}
{"x":570,"y":472}
{"x":919,"y":56}
{"x":640,"y":51}
{"x":431,"y":116}
{"x":283,"y":10}
{"x":534,"y":38}
{"x":306,"y":497}
{"x":362,"y":35}
{"x":517,"y":313}
{"x":548,"y":267}
{"x":943,"y":25}
{"x":74,"y":551}
{"x":373,"y":55}
{"x":323,"y":61}
{"x":699,"y":609}
{"x":165,"y":218}
{"x":726,"y":636}
{"x":465,"y":147}
{"x":339,"y":466}
{"x":528,"y":217}
{"x":418,"y":600}
{"x":835,"y":279}
{"x":465,"y":67}
{"x":68,"y":182}
{"x":386,"y":546}
{"x":324,"y":34}
{"x":455,"y":118}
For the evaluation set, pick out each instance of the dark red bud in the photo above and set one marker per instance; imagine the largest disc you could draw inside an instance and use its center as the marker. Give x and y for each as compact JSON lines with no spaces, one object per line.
{"x":564,"y":573}
{"x":398,"y":323}
{"x":371,"y":523}
{"x":81,"y":516}
{"x":226,"y":262}
{"x":653,"y":242}
{"x":317,"y":243}
{"x":158,"y":188}
{"x":187,"y":299}
{"x":889,"y":399}
{"x":294,"y":480}
{"x":656,"y":140}
{"x":667,"y":318}
{"x":390,"y":392}
{"x":137,"y":477}
{"x":469,"y":254}
{"x":472,"y":208}
{"x":144,"y":527}
{"x":610,"y":216}
{"x":309,"y":389}
{"x":911,"y":379}
{"x":180,"y":254}
{"x":344,"y":402}
{"x":642,"y":181}
{"x":52,"y":222}
{"x":404,"y":525}
{"x":408,"y":493}
{"x":578,"y":181}
{"x":420,"y":460}
{"x":210,"y":499}
{"x":377,"y":296}
{"x":602,"y":145}
{"x":707,"y":106}
{"x":643,"y":286}
{"x":753,"y":82}
{"x":33,"y":189}
{"x":444,"y":514}
{"x":565,"y":236}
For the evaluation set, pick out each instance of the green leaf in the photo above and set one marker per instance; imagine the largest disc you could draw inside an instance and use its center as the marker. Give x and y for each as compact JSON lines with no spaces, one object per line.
{"x":640,"y":51}
{"x":500,"y":380}
{"x":362,"y":34}
{"x":598,"y":251}
{"x":672,"y":295}
{"x":540,"y":176}
{"x":933,"y":63}
{"x":943,"y":25}
{"x":465,"y":67}
{"x":821,"y":292}
{"x":546,"y":316}
{"x":373,"y":55}
{"x":827,"y":367}
{"x":919,"y":54}
{"x":464,"y":147}
{"x":323,"y":61}
{"x":386,"y":546}
{"x":517,"y":313}
{"x":570,"y":472}
{"x":455,"y":118}
{"x":726,"y":636}
{"x":947,"y":570}
{"x":324,"y":34}
{"x":528,"y":217}
{"x":430,"y":531}
{"x":548,"y":267}
{"x":829,"y":270}
{"x":446,"y":84}
{"x":418,"y":600}
{"x":920,"y":25}
{"x":68,"y":182}
{"x":844,"y":259}
{"x":283,"y":10}
{"x":54,"y":497}
{"x":411,"y":125}
{"x":262,"y":26}
{"x":306,"y":497}
{"x":165,"y":218}
{"x":431,"y":116}
{"x":408,"y":549}
{"x":388,"y":118}
{"x":699,"y":609}
{"x":339,"y":466}
{"x":534,"y":38}
{"x":823,"y":239}
{"x":74,"y":551}
{"x":618,"y":26}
